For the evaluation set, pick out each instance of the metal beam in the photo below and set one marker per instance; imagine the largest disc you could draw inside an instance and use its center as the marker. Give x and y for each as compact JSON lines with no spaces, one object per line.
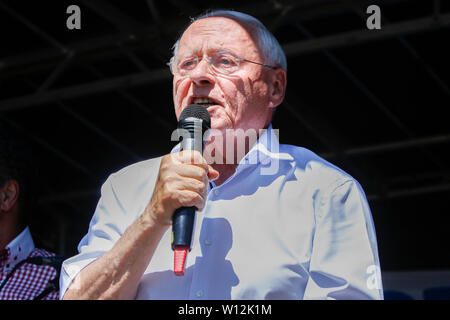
{"x":56,"y":73}
{"x":51,"y":56}
{"x":59,"y":154}
{"x":140,"y":65}
{"x":130,"y":32}
{"x":93,"y":127}
{"x":99,"y":132}
{"x":436,"y":7}
{"x":68,"y":196}
{"x":420,"y":177}
{"x":94,"y":87}
{"x":358,"y":37}
{"x":410,"y":192}
{"x":52,"y":41}
{"x":392,"y":146}
{"x":357,"y":83}
{"x":306,"y":123}
{"x":154,"y":12}
{"x":129,"y":25}
{"x":116,"y":17}
{"x":372,"y":97}
{"x":334,"y":143}
{"x":413,"y":52}
{"x":428,"y":69}
{"x":292,"y":49}
{"x":133,"y":100}
{"x":302,"y":11}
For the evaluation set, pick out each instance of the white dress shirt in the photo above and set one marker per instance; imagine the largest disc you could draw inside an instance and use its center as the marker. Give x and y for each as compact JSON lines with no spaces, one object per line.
{"x":286,"y":225}
{"x":19,"y":249}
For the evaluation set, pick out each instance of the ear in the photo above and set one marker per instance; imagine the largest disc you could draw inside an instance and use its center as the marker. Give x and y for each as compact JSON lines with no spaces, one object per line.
{"x":278,"y":82}
{"x":9,"y":195}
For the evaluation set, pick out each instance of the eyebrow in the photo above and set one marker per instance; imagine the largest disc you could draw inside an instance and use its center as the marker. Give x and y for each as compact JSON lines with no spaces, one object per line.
{"x":209,"y":50}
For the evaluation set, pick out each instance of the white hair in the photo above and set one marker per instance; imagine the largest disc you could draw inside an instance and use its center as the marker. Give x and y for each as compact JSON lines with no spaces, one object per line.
{"x":267,"y":44}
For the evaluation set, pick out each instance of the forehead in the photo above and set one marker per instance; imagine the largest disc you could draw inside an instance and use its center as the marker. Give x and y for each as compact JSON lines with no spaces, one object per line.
{"x":218,"y":33}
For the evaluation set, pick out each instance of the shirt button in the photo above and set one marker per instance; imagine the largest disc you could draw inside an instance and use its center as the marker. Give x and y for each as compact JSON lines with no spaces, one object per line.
{"x":207,"y":242}
{"x":199,"y":293}
{"x":216,"y":192}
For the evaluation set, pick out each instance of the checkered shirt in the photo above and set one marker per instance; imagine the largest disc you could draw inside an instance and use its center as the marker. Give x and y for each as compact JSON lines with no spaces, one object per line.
{"x":29,"y":280}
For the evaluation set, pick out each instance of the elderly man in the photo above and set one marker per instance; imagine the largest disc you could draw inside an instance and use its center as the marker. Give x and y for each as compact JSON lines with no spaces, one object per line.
{"x":300,"y":231}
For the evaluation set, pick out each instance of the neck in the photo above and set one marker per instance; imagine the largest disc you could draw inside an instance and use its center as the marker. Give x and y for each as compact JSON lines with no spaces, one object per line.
{"x":216,"y":152}
{"x":226,"y":166}
{"x":225,"y":170}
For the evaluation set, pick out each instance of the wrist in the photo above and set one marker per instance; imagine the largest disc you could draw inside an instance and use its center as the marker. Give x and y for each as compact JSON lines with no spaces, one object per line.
{"x":149,"y":221}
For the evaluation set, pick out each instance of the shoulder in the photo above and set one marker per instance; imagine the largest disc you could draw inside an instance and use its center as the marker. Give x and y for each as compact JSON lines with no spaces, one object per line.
{"x":136,"y":173}
{"x":145,"y":167}
{"x":334,"y":189}
{"x":131,"y":186}
{"x":317,"y":170}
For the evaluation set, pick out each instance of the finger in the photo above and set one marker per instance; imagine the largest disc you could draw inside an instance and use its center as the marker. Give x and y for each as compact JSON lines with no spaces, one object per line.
{"x":188,"y":198}
{"x":191,"y":157}
{"x":198,"y":186}
{"x":191,"y":171}
{"x":213,"y":174}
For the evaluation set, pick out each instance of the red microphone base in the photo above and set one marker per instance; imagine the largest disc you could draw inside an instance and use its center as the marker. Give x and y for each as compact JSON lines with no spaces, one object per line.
{"x":180,"y":253}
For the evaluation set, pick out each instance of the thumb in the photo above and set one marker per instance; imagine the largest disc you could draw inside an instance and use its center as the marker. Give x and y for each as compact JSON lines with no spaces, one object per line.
{"x":213,"y":174}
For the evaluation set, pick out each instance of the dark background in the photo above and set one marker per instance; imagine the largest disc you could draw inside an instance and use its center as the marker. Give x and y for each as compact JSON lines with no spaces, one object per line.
{"x":373,"y":102}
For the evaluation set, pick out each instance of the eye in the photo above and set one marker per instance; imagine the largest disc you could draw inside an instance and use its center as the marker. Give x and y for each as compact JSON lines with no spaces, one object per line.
{"x":188,"y":63}
{"x":225,"y":61}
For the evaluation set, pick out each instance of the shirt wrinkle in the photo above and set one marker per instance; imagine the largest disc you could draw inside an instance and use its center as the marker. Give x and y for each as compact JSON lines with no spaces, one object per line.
{"x":259,"y":235}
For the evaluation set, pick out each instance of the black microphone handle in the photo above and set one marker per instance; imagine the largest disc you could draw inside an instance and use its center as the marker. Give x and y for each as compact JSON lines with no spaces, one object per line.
{"x":183,"y":226}
{"x":184,"y":217}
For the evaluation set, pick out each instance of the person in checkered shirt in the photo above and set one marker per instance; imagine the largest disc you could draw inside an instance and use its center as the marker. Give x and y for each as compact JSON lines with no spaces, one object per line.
{"x":21,"y":278}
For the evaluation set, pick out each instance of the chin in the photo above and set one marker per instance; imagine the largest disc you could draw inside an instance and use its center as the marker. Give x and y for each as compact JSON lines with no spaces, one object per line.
{"x":220,"y":124}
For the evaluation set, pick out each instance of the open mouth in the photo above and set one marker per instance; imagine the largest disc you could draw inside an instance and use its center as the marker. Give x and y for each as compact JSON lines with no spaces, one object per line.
{"x":206,"y":102}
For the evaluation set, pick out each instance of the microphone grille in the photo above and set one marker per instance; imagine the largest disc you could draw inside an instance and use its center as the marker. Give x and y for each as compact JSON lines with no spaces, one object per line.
{"x":196,"y":111}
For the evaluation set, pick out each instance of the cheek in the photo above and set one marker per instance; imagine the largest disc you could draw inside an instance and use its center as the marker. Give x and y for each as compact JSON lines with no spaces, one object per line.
{"x":180,"y":92}
{"x":242,"y":95}
{"x":248,"y":103}
{"x":233,"y":92}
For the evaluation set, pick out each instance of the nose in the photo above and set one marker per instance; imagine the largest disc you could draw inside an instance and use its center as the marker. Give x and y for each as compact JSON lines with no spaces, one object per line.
{"x":201,"y":75}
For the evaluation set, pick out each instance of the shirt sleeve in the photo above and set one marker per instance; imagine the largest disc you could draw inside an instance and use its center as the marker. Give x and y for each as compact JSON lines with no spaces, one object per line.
{"x":344,"y":260}
{"x":106,"y":227}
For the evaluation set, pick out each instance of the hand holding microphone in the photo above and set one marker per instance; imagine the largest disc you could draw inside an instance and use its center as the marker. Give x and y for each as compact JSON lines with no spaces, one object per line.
{"x":182,"y":183}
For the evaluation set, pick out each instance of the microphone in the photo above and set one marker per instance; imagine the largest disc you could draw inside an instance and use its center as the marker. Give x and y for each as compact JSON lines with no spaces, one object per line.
{"x":194,"y":121}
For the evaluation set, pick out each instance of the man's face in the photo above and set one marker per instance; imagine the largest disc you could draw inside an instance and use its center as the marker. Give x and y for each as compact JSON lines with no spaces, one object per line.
{"x":241,"y":99}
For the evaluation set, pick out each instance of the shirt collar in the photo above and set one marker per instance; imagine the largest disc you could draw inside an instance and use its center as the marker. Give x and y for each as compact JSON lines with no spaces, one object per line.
{"x":265,"y":149}
{"x":18,"y":249}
